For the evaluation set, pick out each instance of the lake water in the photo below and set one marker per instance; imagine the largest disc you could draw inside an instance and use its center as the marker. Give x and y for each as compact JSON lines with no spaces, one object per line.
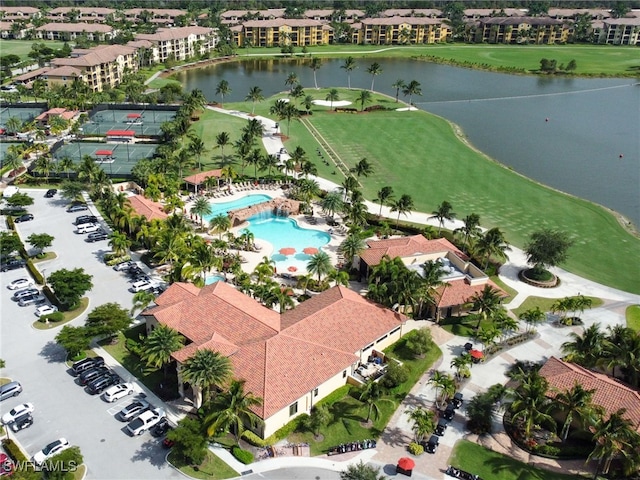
{"x":581,"y":136}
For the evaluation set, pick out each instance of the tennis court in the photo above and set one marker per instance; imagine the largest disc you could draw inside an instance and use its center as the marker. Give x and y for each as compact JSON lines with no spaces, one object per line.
{"x":3,"y":151}
{"x":26,"y":114}
{"x":142,"y":121}
{"x":115,"y":159}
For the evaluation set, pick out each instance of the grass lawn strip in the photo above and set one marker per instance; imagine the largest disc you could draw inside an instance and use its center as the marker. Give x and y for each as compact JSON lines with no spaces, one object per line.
{"x":68,"y":316}
{"x":212,"y":468}
{"x":544,"y":304}
{"x":488,"y":464}
{"x":633,"y":317}
{"x":23,"y":47}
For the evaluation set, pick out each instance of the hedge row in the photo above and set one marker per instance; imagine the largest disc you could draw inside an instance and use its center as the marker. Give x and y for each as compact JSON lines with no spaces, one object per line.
{"x":241,"y":455}
{"x":14,"y":450}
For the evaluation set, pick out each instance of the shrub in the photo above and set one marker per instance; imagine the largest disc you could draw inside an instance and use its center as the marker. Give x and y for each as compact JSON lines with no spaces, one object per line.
{"x":35,"y":273}
{"x":110,"y":259}
{"x":549,"y":450}
{"x":52,"y":317}
{"x":395,"y":375}
{"x":14,"y":451}
{"x":254,"y":439}
{"x":241,"y":455}
{"x":415,"y":448}
{"x":134,"y":346}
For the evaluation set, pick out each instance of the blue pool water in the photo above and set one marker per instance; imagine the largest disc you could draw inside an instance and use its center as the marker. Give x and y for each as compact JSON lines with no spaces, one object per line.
{"x":213,"y":279}
{"x":224,"y":207}
{"x":284,"y":232}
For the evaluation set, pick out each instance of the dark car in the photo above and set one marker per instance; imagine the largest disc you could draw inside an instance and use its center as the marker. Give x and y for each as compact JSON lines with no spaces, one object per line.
{"x":432,"y":445}
{"x":22,"y":422}
{"x":86,"y":364}
{"x":100,"y":384}
{"x":449,"y":412}
{"x":457,"y":400}
{"x":96,"y":236}
{"x":82,"y":219}
{"x":24,"y":218}
{"x":50,"y":193}
{"x":24,"y":293}
{"x":77,"y":208}
{"x":441,"y":427}
{"x":12,"y":264}
{"x":90,"y":375}
{"x":161,"y":428}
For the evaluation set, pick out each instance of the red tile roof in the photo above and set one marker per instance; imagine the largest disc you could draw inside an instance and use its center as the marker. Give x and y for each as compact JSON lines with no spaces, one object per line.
{"x":199,"y":178}
{"x":458,"y":292}
{"x":609,"y":393}
{"x":406,"y":247}
{"x":280,"y":357}
{"x":147,"y":208}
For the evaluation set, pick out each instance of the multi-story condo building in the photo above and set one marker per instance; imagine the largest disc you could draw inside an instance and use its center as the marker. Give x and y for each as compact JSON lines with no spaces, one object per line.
{"x":80,"y":14}
{"x":401,"y":30}
{"x":619,"y":31}
{"x":297,"y":32}
{"x":70,"y":31}
{"x":179,"y":43}
{"x":512,"y":30}
{"x":18,"y":14}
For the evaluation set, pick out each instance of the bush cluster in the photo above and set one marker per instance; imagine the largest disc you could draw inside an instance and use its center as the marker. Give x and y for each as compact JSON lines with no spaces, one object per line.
{"x":415,"y":448}
{"x":13,"y":450}
{"x":241,"y":455}
{"x":52,"y":317}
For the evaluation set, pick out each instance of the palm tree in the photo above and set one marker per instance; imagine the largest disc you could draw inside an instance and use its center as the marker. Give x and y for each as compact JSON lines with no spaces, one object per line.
{"x":315,"y":65}
{"x":411,"y":89}
{"x":349,"y":65}
{"x":461,"y":365}
{"x":351,"y":246}
{"x":159,"y":345}
{"x":332,"y":96}
{"x":296,"y":92}
{"x":385,"y":194}
{"x":320,"y":264}
{"x":196,"y":147}
{"x":363,"y":168}
{"x":43,"y":165}
{"x":254,"y":95}
{"x":470,"y":229}
{"x":332,"y":203}
{"x":442,"y":213}
{"x":119,"y":243}
{"x":424,"y":422}
{"x":530,"y":405}
{"x":222,"y":140}
{"x":232,"y":409}
{"x":398,"y":85}
{"x":403,"y":206}
{"x":492,"y":244}
{"x":141,"y":300}
{"x":615,"y":437}
{"x":586,"y":349}
{"x":220,"y":223}
{"x":292,"y":80}
{"x":349,"y":184}
{"x":486,"y":303}
{"x":444,"y":385}
{"x":533,"y":317}
{"x":65,"y":164}
{"x":371,"y":394}
{"x":374,"y":70}
{"x":622,"y":349}
{"x":201,"y":207}
{"x":204,"y":370}
{"x":575,"y":401}
{"x":338,"y":277}
{"x":363,"y":97}
{"x":223,"y":89}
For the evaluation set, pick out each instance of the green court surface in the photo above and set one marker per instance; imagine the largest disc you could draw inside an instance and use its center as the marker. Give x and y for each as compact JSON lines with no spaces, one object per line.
{"x":142,"y":122}
{"x":113,"y":158}
{"x":3,"y":150}
{"x":26,"y":114}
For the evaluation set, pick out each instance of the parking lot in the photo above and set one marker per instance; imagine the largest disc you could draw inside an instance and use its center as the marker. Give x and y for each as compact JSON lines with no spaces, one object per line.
{"x":62,"y":408}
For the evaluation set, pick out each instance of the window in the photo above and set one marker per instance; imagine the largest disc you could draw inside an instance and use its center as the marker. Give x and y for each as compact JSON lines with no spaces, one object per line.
{"x":315,"y":392}
{"x":293,"y":409}
{"x":344,"y":374}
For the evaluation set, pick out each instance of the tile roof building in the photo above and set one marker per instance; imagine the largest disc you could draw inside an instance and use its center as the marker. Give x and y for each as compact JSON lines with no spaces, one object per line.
{"x":179,"y":43}
{"x":282,"y":31}
{"x":144,"y":207}
{"x":515,"y":30}
{"x":291,"y":360}
{"x":70,"y":31}
{"x":609,"y":393}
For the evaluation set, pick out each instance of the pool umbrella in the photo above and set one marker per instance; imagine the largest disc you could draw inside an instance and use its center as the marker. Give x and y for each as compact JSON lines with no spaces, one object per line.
{"x":287,"y":251}
{"x":310,"y":250}
{"x":405,"y":463}
{"x":292,"y":269}
{"x":476,"y":354}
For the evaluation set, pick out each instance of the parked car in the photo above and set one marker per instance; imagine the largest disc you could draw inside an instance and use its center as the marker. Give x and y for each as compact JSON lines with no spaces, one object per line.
{"x":31,"y":300}
{"x":116,"y":392}
{"x":123,"y":265}
{"x":51,"y":193}
{"x":25,"y":293}
{"x":46,"y":310}
{"x":12,"y":264}
{"x":134,"y":409}
{"x":145,"y":421}
{"x":441,"y":427}
{"x":139,"y":286}
{"x":457,"y":400}
{"x":100,"y":384}
{"x":11,"y":389}
{"x":161,"y":428}
{"x":449,"y":412}
{"x":85,"y":219}
{"x":96,"y":236}
{"x":19,"y":284}
{"x":22,"y":422}
{"x":87,"y":228}
{"x":23,"y":218}
{"x":50,"y":450}
{"x":16,"y":412}
{"x":86,"y":363}
{"x":91,"y":374}
{"x":77,"y":208}
{"x":432,"y":445}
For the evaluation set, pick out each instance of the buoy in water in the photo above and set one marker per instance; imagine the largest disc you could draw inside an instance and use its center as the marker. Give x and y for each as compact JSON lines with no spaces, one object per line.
{"x":546,"y":119}
{"x":620,"y":156}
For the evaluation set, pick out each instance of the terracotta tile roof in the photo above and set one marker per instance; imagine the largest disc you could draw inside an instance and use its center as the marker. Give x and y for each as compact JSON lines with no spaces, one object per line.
{"x":281,"y":22}
{"x":406,"y":247}
{"x":178,"y":292}
{"x":165,"y":34}
{"x":570,"y":12}
{"x":409,"y":12}
{"x":83,"y":10}
{"x":147,"y":208}
{"x":102,"y":54}
{"x":485,"y":12}
{"x":160,"y":12}
{"x":64,"y":71}
{"x":328,"y":12}
{"x":609,"y":393}
{"x":520,"y":20}
{"x":217,"y":343}
{"x":15,"y":10}
{"x":401,"y":20}
{"x":75,"y":27}
{"x":271,"y":12}
{"x":200,"y":177}
{"x":25,"y":77}
{"x":622,"y":21}
{"x":59,"y":112}
{"x":458,"y":292}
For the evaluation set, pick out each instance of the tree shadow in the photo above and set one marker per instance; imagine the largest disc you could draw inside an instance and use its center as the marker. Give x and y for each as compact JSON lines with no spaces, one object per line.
{"x":152,"y":452}
{"x":396,"y":437}
{"x":53,"y":353}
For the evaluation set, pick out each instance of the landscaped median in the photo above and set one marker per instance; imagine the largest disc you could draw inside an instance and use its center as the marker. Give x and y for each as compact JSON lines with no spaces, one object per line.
{"x":212,"y":467}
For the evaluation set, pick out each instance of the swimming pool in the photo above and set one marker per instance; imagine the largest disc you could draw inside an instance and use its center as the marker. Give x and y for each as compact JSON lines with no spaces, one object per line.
{"x":213,"y":279}
{"x":284,"y":232}
{"x":224,"y":207}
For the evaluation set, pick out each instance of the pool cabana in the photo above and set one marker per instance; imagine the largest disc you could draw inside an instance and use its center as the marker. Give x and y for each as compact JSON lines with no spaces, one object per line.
{"x":197,"y":180}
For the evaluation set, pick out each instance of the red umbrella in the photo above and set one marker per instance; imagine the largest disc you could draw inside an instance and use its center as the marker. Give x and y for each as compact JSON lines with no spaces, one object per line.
{"x":287,"y":251}
{"x":476,"y":354}
{"x":310,"y":250}
{"x":292,"y":269}
{"x":133,"y":115}
{"x":405,"y":463}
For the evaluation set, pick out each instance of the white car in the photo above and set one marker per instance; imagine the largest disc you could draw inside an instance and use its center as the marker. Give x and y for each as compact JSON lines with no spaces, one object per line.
{"x":20,"y":283}
{"x":115,"y":393}
{"x":46,"y":310}
{"x":16,"y":412}
{"x":145,"y":421}
{"x":49,"y":451}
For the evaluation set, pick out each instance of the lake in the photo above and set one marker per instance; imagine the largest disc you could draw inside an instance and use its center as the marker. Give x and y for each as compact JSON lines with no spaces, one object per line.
{"x":578,"y":135}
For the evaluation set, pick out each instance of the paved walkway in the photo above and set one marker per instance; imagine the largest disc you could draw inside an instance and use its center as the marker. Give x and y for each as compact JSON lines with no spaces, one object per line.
{"x":398,"y":434}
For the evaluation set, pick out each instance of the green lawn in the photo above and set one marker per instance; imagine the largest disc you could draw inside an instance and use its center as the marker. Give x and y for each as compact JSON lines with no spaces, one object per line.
{"x":633,"y":317}
{"x":68,"y":316}
{"x":488,"y":464}
{"x":23,"y":47}
{"x":544,"y":304}
{"x":212,"y":468}
{"x":606,"y":60}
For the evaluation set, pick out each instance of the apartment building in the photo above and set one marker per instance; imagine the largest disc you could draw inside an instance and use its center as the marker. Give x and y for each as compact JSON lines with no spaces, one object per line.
{"x":179,"y":43}
{"x":402,"y":30}
{"x":80,"y":14}
{"x":165,"y":16}
{"x":297,"y":32}
{"x":514,"y":30}
{"x":70,"y":31}
{"x":619,"y":31}
{"x":18,"y":14}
